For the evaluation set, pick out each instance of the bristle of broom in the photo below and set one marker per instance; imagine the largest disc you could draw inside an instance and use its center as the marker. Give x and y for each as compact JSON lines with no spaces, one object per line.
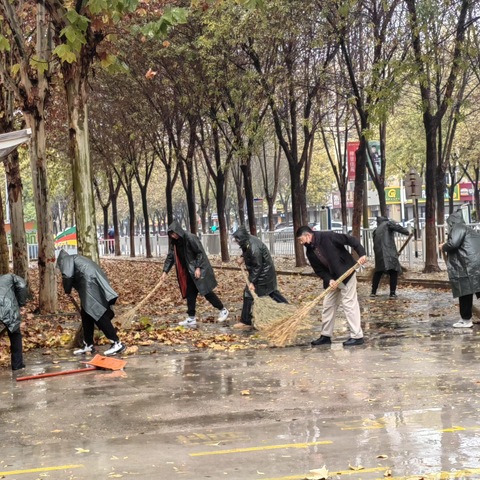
{"x":266,"y":311}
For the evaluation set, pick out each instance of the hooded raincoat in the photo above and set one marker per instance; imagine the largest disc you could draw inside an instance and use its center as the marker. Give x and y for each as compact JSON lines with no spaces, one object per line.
{"x":89,"y":280}
{"x":259,"y":263}
{"x":187,"y":254}
{"x":386,"y":256}
{"x":13,"y":295}
{"x":463,"y":256}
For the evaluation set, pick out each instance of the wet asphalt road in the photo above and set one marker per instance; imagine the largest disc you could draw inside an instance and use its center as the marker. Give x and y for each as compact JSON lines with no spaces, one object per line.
{"x":406,"y":404}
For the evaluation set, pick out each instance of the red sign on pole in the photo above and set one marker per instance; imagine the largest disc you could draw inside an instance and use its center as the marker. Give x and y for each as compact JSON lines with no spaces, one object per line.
{"x":352,"y":148}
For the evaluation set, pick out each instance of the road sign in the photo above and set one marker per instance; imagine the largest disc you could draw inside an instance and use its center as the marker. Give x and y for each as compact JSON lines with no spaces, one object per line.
{"x":413,"y":184}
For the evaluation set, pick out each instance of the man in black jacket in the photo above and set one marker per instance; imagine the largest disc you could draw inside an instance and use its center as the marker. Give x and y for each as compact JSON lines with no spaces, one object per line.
{"x":194,"y":272}
{"x":96,"y":298}
{"x":13,"y":295}
{"x":262,"y":276}
{"x":330,"y":259}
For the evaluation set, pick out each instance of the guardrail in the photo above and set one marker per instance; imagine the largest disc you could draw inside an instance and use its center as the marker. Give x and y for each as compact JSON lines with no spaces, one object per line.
{"x":279,"y":244}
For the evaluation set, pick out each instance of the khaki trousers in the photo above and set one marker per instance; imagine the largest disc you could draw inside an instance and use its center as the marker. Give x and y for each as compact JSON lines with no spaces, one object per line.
{"x":346,"y":295}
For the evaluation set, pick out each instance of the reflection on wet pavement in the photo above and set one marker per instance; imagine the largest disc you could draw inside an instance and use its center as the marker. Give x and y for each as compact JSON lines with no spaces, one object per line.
{"x":406,"y":403}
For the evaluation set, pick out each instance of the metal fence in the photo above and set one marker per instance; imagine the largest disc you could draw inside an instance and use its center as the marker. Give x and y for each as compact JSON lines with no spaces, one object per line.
{"x":279,"y":244}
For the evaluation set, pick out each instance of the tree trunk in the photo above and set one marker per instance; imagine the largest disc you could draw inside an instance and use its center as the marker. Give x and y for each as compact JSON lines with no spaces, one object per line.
{"x":298,"y":195}
{"x":4,"y":260}
{"x":247,"y":185}
{"x":106,"y":245}
{"x":221,"y":216}
{"x":359,"y":187}
{"x":17,"y":221}
{"x":148,"y":247}
{"x":47,"y":295}
{"x":75,"y":87}
{"x":430,"y":255}
{"x":131,"y":211}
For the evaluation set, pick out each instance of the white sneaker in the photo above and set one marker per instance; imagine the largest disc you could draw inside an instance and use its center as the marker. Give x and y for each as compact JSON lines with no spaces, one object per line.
{"x":223,"y":315}
{"x":463,"y":324}
{"x":86,"y":349}
{"x":189,"y":322}
{"x":117,"y":347}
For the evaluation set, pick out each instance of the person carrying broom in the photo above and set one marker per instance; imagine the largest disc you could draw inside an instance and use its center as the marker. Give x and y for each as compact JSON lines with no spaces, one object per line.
{"x":96,"y":298}
{"x":194,"y":272}
{"x":261,"y":274}
{"x":329,"y":259}
{"x":386,"y":256}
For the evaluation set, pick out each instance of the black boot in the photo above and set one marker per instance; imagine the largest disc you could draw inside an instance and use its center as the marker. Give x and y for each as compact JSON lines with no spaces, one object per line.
{"x":322,"y":340}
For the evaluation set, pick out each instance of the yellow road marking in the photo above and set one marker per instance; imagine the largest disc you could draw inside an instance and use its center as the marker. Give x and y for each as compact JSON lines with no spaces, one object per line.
{"x":428,"y":476}
{"x":42,"y":469}
{"x":258,"y":449}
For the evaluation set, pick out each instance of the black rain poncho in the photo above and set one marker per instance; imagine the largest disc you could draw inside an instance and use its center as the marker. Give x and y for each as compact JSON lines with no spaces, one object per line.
{"x":187,"y":253}
{"x":463,"y":256}
{"x":13,"y":295}
{"x":89,"y":280}
{"x":386,"y":256}
{"x":258,"y":261}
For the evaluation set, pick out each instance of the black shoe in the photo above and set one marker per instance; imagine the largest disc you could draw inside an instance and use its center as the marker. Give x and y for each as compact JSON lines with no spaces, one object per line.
{"x":19,"y":368}
{"x":373,"y":294}
{"x":393,"y":295}
{"x":322,"y":340}
{"x":353,"y":341}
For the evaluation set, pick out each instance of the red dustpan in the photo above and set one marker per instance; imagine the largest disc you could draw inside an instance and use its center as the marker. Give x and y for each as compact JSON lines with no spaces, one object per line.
{"x":98,"y":362}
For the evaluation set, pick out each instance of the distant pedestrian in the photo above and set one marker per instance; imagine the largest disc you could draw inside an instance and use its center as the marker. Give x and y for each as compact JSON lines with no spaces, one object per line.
{"x":13,"y":295}
{"x":194,"y":272}
{"x":261,"y":274}
{"x":386,"y":256}
{"x":111,"y":240}
{"x":96,"y":298}
{"x":462,"y":249}
{"x":330,"y":259}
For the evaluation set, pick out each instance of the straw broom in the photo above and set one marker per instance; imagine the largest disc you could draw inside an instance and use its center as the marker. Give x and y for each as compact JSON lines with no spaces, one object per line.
{"x":284,"y":331}
{"x":265,"y":310}
{"x":125,"y":320}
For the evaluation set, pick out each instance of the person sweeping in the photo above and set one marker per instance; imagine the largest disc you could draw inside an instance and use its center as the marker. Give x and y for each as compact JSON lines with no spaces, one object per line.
{"x":462,"y":249}
{"x":96,"y":298}
{"x":386,"y":256}
{"x":330,"y":259}
{"x":262,"y":276}
{"x":13,"y":295}
{"x":194,"y":272}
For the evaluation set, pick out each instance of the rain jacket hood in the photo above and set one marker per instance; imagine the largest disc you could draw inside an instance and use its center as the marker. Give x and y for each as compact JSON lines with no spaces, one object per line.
{"x":242,"y":236}
{"x":386,"y":256}
{"x":258,"y":261}
{"x":13,"y":295}
{"x":463,"y":256}
{"x":89,"y":280}
{"x":188,"y":255}
{"x":175,"y":227}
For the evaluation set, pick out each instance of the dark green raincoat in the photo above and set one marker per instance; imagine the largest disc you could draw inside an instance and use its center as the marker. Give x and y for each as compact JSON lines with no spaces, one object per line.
{"x":89,"y":280}
{"x":189,"y":249}
{"x":13,"y":295}
{"x":258,"y":261}
{"x":463,"y":256}
{"x":386,"y":256}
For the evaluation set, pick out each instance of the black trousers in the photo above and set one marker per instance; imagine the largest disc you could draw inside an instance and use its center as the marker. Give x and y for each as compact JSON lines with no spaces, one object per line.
{"x":104,"y":324}
{"x":465,"y":304}
{"x":377,"y":276}
{"x":246,"y":317}
{"x":16,"y":349}
{"x":192,"y":294}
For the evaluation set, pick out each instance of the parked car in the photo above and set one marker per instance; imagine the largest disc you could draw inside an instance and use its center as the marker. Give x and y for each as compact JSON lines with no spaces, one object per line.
{"x":284,"y":234}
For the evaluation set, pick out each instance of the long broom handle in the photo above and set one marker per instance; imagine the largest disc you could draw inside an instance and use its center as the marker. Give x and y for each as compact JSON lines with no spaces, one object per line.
{"x":55,"y":374}
{"x":132,"y":311}
{"x":248,"y":282}
{"x":340,"y":279}
{"x":405,"y":244}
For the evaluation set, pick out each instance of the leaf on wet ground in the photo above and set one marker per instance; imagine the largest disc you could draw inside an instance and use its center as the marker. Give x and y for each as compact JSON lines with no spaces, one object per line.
{"x":82,"y":450}
{"x":318,"y":474}
{"x":356,"y":467}
{"x":245,"y":392}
